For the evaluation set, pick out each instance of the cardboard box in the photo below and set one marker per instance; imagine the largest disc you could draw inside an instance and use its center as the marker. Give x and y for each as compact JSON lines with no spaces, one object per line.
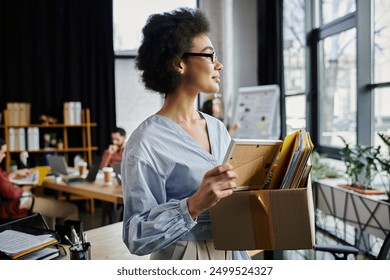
{"x":279,"y":219}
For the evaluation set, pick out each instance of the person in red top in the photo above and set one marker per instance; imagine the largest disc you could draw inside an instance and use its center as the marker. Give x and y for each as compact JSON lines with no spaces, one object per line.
{"x":115,"y":150}
{"x":17,"y":202}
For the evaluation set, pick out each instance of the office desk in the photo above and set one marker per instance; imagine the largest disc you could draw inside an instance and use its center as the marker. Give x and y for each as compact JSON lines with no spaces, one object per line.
{"x":106,"y":244}
{"x":97,"y":190}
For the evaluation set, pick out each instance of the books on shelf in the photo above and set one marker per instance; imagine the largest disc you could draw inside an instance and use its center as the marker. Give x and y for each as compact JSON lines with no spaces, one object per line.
{"x":11,"y":135}
{"x":33,"y":138}
{"x":16,"y":244}
{"x":72,"y":112}
{"x":19,"y":140}
{"x":18,"y":113}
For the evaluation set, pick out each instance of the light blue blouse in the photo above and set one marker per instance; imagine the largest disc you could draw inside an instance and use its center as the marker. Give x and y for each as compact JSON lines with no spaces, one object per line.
{"x":162,"y":166}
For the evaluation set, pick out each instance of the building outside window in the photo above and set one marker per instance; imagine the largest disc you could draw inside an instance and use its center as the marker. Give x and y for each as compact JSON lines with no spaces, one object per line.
{"x":294,"y":46}
{"x":343,"y":71}
{"x":381,"y":69}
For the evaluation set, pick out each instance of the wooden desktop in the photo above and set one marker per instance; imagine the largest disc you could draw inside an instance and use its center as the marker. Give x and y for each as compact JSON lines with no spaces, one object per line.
{"x":97,"y":190}
{"x":106,"y":244}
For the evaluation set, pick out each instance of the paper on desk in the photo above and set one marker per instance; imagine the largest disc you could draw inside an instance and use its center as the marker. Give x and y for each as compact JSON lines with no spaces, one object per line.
{"x":37,"y":176}
{"x":29,"y":180}
{"x":15,"y":243}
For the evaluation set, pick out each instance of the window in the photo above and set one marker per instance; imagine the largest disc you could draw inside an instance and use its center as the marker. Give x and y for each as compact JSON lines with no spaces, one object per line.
{"x":338,"y":89}
{"x":381,"y":69}
{"x":294,"y":64}
{"x":348,"y":82}
{"x":382,"y":41}
{"x":334,"y":9}
{"x":130,"y":16}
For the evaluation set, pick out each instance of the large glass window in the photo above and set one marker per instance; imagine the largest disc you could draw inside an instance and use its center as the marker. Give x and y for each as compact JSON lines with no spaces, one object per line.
{"x":294,"y":64}
{"x":294,"y":46}
{"x":382,"y":41}
{"x":338,"y":89}
{"x":381,"y":69}
{"x":295,"y":113}
{"x":334,"y":9}
{"x":382,"y":114}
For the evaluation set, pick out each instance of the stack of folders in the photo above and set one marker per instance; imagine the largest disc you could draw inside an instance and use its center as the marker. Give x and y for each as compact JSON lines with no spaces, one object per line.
{"x":18,"y":245}
{"x":293,"y":166}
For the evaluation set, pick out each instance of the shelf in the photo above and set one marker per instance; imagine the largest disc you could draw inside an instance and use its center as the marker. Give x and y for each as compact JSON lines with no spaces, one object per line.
{"x":58,"y":150}
{"x":67,"y":130}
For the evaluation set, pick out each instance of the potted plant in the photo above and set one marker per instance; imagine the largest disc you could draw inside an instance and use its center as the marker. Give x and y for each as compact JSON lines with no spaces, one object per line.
{"x":362,"y":166}
{"x":320,"y":169}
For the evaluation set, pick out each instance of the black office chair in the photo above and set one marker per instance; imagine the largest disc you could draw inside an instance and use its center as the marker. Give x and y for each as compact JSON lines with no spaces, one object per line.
{"x":341,"y":252}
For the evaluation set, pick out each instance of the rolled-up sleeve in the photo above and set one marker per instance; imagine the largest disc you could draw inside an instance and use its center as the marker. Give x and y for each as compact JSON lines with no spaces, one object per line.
{"x":150,"y":222}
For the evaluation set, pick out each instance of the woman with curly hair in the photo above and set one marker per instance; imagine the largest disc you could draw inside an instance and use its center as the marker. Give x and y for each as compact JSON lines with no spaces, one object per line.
{"x":171,"y":167}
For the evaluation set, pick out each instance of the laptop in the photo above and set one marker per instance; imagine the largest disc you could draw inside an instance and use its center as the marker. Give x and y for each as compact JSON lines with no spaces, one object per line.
{"x":59,"y":166}
{"x":117,"y":169}
{"x":91,"y":177}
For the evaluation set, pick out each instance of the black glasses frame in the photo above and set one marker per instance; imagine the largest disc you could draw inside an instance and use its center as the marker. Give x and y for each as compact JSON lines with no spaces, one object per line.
{"x":212,"y":56}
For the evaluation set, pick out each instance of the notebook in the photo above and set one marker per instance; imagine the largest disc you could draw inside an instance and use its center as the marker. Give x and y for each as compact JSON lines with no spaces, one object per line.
{"x":91,"y":177}
{"x":59,"y":166}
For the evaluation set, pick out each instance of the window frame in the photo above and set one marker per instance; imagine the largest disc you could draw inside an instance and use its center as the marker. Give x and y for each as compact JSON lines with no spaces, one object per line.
{"x":362,"y":20}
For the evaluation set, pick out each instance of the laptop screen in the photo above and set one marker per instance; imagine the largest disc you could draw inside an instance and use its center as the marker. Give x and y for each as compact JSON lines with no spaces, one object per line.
{"x":117,"y":169}
{"x":93,"y":169}
{"x":58,"y":164}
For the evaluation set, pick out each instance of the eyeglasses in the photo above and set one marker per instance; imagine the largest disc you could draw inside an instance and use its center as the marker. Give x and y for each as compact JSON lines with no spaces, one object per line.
{"x":212,"y":56}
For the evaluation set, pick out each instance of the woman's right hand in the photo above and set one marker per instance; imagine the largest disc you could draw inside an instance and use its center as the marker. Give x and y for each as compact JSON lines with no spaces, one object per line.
{"x":20,"y":173}
{"x":217,"y":183}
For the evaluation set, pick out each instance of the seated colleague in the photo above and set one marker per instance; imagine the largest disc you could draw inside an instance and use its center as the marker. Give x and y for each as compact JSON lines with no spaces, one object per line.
{"x":16,"y":202}
{"x":115,"y":150}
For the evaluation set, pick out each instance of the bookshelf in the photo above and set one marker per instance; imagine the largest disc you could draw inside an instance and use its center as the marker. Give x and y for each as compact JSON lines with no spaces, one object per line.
{"x":85,"y":148}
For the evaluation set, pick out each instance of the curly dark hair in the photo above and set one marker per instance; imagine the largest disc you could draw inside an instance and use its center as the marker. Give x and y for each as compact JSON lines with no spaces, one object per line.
{"x":166,"y":37}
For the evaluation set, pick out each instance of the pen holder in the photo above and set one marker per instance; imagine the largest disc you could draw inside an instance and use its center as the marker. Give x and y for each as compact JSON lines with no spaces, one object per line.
{"x":81,"y":252}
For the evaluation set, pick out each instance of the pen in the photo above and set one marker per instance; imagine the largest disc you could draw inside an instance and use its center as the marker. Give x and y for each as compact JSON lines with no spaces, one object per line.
{"x":67,"y":238}
{"x":75,"y":236}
